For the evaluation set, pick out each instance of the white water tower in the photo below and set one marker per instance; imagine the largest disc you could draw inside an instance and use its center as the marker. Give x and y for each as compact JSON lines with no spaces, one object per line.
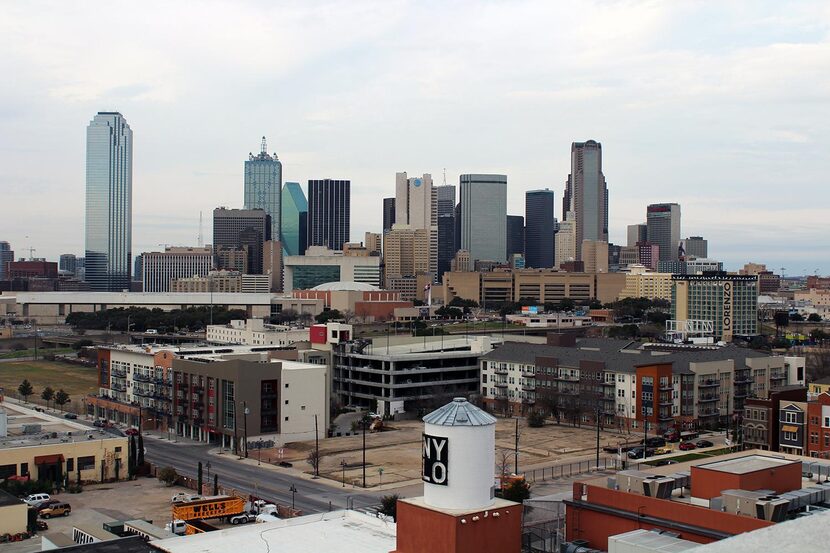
{"x":459,"y":457}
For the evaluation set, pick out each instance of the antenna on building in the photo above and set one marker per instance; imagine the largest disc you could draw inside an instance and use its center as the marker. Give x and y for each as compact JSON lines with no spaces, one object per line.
{"x":200,"y":241}
{"x":445,"y":176}
{"x":264,"y":147}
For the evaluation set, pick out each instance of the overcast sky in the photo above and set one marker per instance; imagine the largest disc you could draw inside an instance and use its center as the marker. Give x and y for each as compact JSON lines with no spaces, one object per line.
{"x":720,"y":106}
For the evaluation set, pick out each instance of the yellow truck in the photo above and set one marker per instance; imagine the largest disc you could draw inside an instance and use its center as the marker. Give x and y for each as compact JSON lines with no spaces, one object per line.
{"x":210,"y":507}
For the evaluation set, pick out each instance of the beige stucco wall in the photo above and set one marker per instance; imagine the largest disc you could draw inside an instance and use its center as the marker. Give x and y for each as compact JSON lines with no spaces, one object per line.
{"x":98,"y":448}
{"x":13,"y":518}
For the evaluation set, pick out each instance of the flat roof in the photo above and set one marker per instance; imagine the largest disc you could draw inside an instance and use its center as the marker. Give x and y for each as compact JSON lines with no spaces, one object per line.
{"x":332,"y":532}
{"x":745,"y":465}
{"x":130,"y":544}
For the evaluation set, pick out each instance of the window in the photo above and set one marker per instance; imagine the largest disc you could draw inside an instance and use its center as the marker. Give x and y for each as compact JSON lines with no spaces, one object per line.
{"x":24,"y":469}
{"x":790,"y":416}
{"x":814,"y":438}
{"x":826,"y":439}
{"x":302,"y":407}
{"x":286,"y":419}
{"x":286,"y":385}
{"x":70,"y":464}
{"x":484,"y":379}
{"x":286,"y":402}
{"x":86,"y":463}
{"x":826,"y":422}
{"x":118,"y":449}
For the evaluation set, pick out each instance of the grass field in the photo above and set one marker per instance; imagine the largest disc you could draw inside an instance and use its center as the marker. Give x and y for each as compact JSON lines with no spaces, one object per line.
{"x":76,"y":380}
{"x":31,"y":352}
{"x":696,"y":456}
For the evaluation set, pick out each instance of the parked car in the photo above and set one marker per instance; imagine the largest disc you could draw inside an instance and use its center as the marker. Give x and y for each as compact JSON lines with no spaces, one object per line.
{"x":99,"y":423}
{"x":664,"y":462}
{"x":686,"y":446}
{"x":37,"y":499}
{"x":56,"y":509}
{"x":637,"y":453}
{"x":655,"y":441}
{"x":70,"y":416}
{"x":151,"y":331}
{"x":663,"y":451}
{"x":671,"y":436}
{"x":131,"y":431}
{"x":704,"y":443}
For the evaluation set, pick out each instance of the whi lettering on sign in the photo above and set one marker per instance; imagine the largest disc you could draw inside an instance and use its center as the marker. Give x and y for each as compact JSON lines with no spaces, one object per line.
{"x":435,"y":460}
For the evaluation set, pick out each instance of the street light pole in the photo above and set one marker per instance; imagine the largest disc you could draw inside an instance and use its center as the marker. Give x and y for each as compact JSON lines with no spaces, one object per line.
{"x":343,"y":466}
{"x":245,"y":411}
{"x":293,"y":490}
{"x":363,"y":423}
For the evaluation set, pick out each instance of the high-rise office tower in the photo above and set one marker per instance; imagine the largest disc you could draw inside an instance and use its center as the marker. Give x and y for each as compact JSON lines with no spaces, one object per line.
{"x":138,"y":268}
{"x":446,"y":199}
{"x":6,"y":256}
{"x":109,"y":206}
{"x":515,"y":235}
{"x":586,"y":194}
{"x":637,"y":233}
{"x":446,"y":228}
{"x":539,"y":229}
{"x":457,"y":224}
{"x":328,"y":213}
{"x":483,"y":200}
{"x":236,"y":229}
{"x":294,"y":219}
{"x":67,"y":262}
{"x":263,"y":186}
{"x":388,"y":214}
{"x":663,"y":221}
{"x":416,"y":206}
{"x":695,"y":246}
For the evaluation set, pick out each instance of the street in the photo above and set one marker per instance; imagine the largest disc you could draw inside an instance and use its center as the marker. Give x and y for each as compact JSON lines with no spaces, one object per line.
{"x":268,"y":482}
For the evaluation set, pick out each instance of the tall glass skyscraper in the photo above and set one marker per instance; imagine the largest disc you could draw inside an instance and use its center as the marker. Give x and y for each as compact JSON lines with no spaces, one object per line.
{"x":294,"y":219}
{"x":329,"y":211}
{"x":539,"y":229}
{"x":586,"y":194}
{"x":263,"y":186}
{"x":483,"y":201}
{"x":109,"y":209}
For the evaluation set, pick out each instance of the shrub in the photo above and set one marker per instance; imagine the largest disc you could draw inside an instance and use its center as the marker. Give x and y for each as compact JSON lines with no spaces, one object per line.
{"x":168,"y":475}
{"x":389,"y":505}
{"x":517,"y":490}
{"x":535,"y":419}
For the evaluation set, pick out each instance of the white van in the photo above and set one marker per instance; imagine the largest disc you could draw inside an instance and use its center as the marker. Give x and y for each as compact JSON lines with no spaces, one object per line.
{"x":151,"y":331}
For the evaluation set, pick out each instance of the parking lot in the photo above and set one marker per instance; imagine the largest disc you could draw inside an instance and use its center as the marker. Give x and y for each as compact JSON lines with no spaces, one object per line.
{"x":145,"y":498}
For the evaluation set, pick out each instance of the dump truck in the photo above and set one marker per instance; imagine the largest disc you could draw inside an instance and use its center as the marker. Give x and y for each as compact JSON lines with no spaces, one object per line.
{"x":211,"y":507}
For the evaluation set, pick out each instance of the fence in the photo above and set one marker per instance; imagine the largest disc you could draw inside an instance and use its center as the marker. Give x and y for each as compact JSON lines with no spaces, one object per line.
{"x":571,"y":469}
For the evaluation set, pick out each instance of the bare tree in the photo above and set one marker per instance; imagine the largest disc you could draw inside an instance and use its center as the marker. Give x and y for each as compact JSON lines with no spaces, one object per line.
{"x":503,"y":459}
{"x":313,"y":459}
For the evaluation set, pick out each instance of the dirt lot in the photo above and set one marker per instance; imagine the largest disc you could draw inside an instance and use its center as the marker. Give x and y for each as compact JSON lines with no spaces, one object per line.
{"x":397,"y":452}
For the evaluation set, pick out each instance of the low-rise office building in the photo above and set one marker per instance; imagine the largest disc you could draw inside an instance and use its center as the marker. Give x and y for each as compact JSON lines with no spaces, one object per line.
{"x":367,"y":302}
{"x":254,"y":332}
{"x":621,"y":383}
{"x":641,"y":283}
{"x":320,"y":265}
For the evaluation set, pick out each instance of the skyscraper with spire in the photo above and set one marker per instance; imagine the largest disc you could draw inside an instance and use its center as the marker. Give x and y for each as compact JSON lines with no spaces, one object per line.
{"x":109,"y":202}
{"x":263,"y":185}
{"x":585,"y":201}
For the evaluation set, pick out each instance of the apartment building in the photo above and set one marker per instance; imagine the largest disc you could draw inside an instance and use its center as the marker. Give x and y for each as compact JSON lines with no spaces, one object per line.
{"x":760,"y":423}
{"x":818,"y":426}
{"x":621,"y":383}
{"x":159,"y":269}
{"x":397,"y":374}
{"x":792,"y":425}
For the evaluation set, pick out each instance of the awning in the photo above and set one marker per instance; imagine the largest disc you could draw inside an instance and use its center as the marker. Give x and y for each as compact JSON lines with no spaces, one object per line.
{"x":48,"y":459}
{"x":789,"y":428}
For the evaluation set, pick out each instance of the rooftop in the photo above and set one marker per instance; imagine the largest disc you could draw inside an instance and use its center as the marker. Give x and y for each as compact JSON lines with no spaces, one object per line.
{"x":332,"y":532}
{"x":618,"y":355}
{"x":131,"y":544}
{"x":459,"y":412}
{"x":745,"y":465}
{"x":52,"y":429}
{"x":346,"y":286}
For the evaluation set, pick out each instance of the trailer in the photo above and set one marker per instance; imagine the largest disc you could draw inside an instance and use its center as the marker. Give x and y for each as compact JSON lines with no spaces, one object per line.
{"x":211,"y":507}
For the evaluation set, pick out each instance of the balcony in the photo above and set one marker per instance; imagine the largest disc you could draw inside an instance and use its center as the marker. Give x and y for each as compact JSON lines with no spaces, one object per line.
{"x":142,"y":393}
{"x":666,"y":387}
{"x":528,"y":401}
{"x":119,"y":387}
{"x":567,"y":378}
{"x":740,"y":394}
{"x":665,"y":417}
{"x":118,"y":373}
{"x":743,"y":380}
{"x":529,"y":387}
{"x":611,"y":383}
{"x":500,"y":384}
{"x":528,"y":374}
{"x":500,"y":394}
{"x":138,"y":377}
{"x":708,"y":398}
{"x":708,"y":413}
{"x":777,"y":376}
{"x":708,"y":384}
{"x":500,"y":371}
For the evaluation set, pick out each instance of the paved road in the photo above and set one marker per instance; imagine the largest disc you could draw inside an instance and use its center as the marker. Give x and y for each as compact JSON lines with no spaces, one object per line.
{"x":270,"y":483}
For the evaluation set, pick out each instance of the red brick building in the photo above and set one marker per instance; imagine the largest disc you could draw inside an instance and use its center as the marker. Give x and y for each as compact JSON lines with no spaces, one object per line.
{"x":818,"y":426}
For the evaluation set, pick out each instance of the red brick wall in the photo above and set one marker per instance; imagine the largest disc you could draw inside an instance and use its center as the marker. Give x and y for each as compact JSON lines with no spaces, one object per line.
{"x":584,"y":524}
{"x":707,"y":483}
{"x":814,"y":421}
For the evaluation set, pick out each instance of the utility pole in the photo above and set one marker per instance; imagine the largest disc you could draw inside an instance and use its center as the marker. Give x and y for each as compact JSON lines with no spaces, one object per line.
{"x":363,"y":424}
{"x":245,"y":412}
{"x":316,"y":449}
{"x":597,"y":421}
{"x":516,"y":450}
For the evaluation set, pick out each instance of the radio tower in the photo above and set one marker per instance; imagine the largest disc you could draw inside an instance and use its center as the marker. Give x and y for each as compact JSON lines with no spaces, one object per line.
{"x":200,"y":241}
{"x":264,"y":147}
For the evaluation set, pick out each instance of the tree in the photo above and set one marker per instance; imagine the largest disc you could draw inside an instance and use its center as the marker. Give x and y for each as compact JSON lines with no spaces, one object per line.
{"x":797,"y":317}
{"x":449,"y":312}
{"x":131,"y":457}
{"x":313,"y":459}
{"x":517,"y":490}
{"x":81,"y":344}
{"x":199,"y":478}
{"x":168,"y":475}
{"x":461,"y":302}
{"x":328,"y":315}
{"x":61,"y":398}
{"x":25,"y":389}
{"x":17,"y":346}
{"x":535,"y":419}
{"x":47,"y":395}
{"x":782,"y":320}
{"x":139,"y":459}
{"x":814,"y":318}
{"x":389,"y":505}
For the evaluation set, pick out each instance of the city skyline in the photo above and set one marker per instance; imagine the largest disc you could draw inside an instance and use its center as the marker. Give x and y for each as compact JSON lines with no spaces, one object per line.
{"x":677,"y":114}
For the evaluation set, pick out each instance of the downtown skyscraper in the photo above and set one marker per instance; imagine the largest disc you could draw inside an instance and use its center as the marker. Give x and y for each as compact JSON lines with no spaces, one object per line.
{"x":540,"y":229}
{"x":294,"y":232}
{"x":109,"y":207}
{"x":329,"y":205}
{"x":263,"y":186}
{"x":585,"y":202}
{"x":663,"y":229}
{"x":483,"y":201}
